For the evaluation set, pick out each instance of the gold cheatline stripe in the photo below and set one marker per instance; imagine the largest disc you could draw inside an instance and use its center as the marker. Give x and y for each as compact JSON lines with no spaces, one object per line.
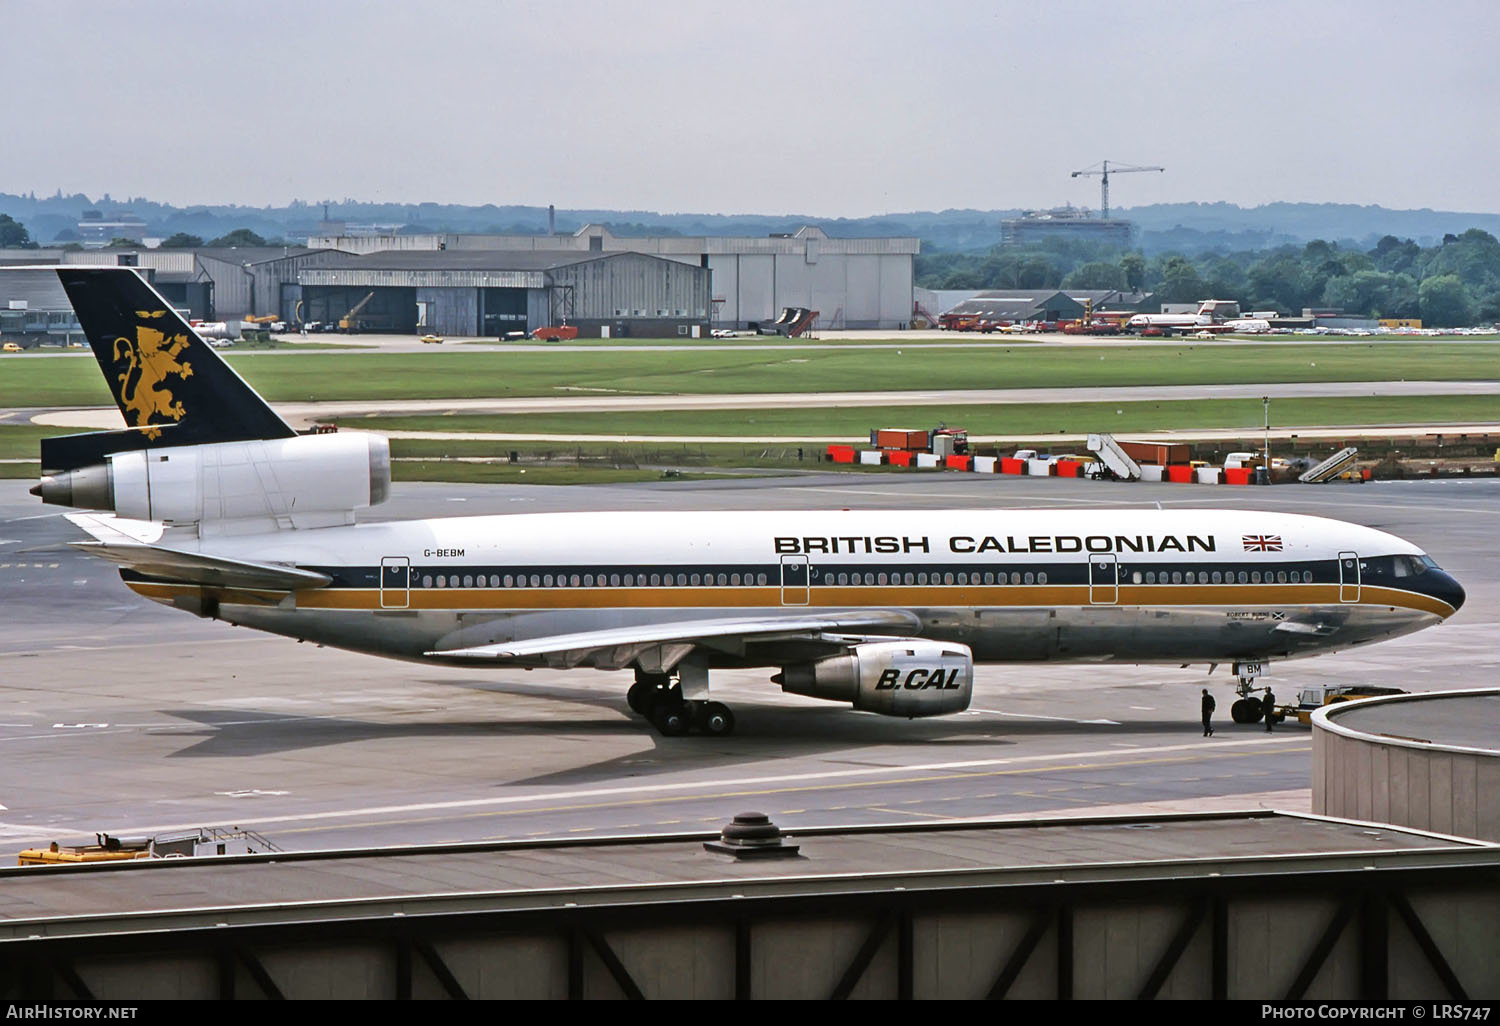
{"x":947,"y":596}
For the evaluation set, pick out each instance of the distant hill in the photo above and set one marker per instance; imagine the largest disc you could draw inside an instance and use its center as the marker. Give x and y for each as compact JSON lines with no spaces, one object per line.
{"x":1185,"y":227}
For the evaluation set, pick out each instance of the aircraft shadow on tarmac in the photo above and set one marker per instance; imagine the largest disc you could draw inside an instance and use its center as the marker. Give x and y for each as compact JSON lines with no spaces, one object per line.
{"x":763,"y":732}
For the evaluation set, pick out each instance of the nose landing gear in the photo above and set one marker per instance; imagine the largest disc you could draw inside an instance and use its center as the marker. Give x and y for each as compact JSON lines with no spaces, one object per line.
{"x":1248,"y":708}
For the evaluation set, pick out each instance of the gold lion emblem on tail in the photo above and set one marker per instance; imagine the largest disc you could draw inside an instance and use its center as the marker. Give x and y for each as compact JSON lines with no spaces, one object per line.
{"x":145,"y":365}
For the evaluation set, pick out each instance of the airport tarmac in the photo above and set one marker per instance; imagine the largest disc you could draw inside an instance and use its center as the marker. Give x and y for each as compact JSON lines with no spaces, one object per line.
{"x":119,"y":715}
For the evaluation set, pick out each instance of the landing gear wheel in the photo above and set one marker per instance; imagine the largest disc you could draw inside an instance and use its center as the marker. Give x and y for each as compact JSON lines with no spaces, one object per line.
{"x":641,"y":697}
{"x":1246,"y":710}
{"x":673,"y":719}
{"x":649,"y":690}
{"x":715,"y":719}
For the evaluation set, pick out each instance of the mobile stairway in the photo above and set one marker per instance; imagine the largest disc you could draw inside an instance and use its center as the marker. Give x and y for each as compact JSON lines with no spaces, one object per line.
{"x":794,"y":320}
{"x":1332,"y":467}
{"x":1114,"y":458}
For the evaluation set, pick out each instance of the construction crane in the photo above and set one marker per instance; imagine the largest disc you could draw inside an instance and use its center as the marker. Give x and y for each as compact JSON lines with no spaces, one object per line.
{"x":1104,"y":169}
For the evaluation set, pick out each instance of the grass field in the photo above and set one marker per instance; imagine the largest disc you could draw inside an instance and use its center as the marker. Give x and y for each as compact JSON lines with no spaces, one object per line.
{"x":355,"y":376}
{"x":1032,"y":419}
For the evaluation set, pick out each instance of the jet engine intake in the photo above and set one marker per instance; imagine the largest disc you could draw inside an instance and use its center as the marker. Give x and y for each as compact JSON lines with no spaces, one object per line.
{"x":893,"y":678}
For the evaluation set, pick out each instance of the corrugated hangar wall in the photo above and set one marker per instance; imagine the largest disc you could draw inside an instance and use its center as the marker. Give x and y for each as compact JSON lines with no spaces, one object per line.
{"x":856,"y":290}
{"x":451,"y":311}
{"x":631,"y":287}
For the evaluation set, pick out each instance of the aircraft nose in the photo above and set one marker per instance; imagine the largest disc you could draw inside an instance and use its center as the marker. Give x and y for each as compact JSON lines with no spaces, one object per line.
{"x":1446,"y":588}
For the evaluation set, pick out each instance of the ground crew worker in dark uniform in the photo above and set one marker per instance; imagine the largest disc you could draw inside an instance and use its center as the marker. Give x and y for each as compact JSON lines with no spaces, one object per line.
{"x":1208,"y":711}
{"x":1269,"y":705}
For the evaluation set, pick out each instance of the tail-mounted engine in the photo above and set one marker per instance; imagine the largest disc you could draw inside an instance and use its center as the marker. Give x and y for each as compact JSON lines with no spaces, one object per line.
{"x":893,"y":678}
{"x":307,"y":479}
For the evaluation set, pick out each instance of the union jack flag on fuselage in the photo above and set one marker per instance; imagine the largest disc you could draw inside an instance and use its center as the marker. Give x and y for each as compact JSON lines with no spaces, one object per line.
{"x":1262,"y":542}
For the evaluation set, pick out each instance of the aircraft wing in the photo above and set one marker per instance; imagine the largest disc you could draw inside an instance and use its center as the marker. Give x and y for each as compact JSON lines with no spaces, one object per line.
{"x":714,"y":632}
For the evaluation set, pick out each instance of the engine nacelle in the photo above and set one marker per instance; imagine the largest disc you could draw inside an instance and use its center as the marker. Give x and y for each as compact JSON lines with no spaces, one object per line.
{"x":893,"y":678}
{"x":306,"y":478}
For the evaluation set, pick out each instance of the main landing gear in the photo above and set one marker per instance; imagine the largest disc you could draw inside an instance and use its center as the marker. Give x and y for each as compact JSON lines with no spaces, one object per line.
{"x":1248,"y":708}
{"x":658,"y":697}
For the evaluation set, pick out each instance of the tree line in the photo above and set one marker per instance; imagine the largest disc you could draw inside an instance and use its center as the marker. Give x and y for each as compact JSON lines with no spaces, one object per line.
{"x":1452,"y":284}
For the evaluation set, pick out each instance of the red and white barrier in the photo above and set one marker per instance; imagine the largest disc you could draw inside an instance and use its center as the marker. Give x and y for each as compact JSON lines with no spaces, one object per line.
{"x":1150,"y":472}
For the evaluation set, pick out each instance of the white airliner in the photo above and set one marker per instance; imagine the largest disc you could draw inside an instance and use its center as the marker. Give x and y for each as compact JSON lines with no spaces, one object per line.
{"x":218,"y":508}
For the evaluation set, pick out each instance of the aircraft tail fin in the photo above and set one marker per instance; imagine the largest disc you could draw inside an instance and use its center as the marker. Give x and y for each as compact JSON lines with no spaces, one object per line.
{"x":161,"y":373}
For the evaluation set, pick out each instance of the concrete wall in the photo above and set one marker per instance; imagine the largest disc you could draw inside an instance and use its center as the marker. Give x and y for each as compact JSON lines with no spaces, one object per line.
{"x":1442,"y":788}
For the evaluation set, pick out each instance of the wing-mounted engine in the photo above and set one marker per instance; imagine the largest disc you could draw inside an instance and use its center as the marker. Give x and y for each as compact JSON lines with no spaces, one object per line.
{"x":302,"y":481}
{"x":894,"y":678}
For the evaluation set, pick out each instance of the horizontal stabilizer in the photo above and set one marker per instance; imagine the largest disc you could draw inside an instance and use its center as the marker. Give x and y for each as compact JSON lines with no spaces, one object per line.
{"x":197,"y":568}
{"x":758,"y":629}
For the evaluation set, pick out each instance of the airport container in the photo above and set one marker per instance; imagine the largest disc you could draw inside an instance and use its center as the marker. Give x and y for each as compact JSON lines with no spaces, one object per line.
{"x":1152,"y":471}
{"x":1180,"y":474}
{"x":872,"y":457}
{"x":1040,"y":468}
{"x":927,"y":459}
{"x":1068,"y":468}
{"x":1207,"y":475}
{"x":901,"y":459}
{"x":1154,"y":452}
{"x":900,"y":438}
{"x":958,"y":462}
{"x":841,"y":453}
{"x":1237,"y":475}
{"x":986,"y":464}
{"x":1012,"y":466}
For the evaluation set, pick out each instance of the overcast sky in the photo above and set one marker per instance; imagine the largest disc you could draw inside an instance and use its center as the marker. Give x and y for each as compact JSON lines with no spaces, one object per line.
{"x":822,"y":107}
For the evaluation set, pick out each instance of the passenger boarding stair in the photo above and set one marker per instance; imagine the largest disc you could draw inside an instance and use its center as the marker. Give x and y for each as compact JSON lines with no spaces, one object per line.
{"x":1114,"y":458}
{"x":794,"y":320}
{"x":1332,"y":467}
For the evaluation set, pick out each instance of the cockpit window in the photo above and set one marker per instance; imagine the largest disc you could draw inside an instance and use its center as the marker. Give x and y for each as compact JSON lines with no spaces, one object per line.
{"x":1399,"y":567}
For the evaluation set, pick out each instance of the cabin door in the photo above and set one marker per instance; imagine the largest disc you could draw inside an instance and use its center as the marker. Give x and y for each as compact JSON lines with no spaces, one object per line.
{"x":1104,"y":579}
{"x":1348,"y":577}
{"x":395,"y":582}
{"x":794,"y":581}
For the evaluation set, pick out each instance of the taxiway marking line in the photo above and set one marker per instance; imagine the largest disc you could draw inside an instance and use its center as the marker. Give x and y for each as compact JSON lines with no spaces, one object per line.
{"x":976,"y":769}
{"x":771,"y":792}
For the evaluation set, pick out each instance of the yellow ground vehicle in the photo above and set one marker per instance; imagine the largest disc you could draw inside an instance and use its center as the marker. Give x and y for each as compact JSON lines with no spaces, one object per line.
{"x":1311,"y":699}
{"x":433,"y":339}
{"x":107,"y":848}
{"x":10,"y":347}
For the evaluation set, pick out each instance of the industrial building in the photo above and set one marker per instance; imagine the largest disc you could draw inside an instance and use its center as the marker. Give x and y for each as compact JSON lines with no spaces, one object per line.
{"x":1069,"y":222}
{"x":490,"y":285}
{"x":209,"y":283}
{"x":852,"y":283}
{"x":495,"y":292}
{"x":1024,"y":306}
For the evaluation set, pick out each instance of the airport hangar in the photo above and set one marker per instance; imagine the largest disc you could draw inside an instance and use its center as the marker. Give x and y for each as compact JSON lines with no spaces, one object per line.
{"x":861,"y":283}
{"x":655,"y":287}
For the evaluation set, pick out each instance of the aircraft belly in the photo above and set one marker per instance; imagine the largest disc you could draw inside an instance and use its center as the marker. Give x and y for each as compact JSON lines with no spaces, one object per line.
{"x":1087,"y":633}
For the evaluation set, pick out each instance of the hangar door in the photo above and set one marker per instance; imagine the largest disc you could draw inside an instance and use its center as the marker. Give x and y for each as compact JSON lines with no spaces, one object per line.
{"x":501,"y":310}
